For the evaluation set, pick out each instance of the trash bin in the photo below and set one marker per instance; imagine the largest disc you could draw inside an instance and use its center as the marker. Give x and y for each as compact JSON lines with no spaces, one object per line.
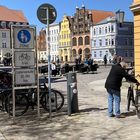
{"x":72,"y":93}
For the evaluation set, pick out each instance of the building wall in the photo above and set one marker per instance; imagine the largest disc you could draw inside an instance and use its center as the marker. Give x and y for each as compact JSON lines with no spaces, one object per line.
{"x":54,"y":41}
{"x":80,"y":24}
{"x":4,"y":43}
{"x":108,"y":39}
{"x":103,"y":40}
{"x":65,"y":40}
{"x":135,"y":8}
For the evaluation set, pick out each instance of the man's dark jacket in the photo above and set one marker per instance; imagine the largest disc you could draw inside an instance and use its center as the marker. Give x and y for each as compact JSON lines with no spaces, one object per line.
{"x":114,"y":79}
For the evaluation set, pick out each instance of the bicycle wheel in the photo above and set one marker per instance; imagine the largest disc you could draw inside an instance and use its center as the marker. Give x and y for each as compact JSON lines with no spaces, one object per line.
{"x":57,"y":100}
{"x":21,"y":104}
{"x":137,"y":103}
{"x":129,"y":95}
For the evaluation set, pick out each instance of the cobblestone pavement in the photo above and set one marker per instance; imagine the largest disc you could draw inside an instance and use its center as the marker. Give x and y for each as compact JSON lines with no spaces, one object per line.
{"x":91,"y":123}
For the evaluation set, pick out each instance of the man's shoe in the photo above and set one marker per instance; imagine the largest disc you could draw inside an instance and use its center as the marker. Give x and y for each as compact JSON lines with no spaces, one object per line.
{"x":112,"y":115}
{"x":120,"y":116}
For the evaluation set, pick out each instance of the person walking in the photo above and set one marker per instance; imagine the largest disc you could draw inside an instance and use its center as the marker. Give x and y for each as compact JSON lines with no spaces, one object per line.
{"x":105,"y":60}
{"x":113,"y":86}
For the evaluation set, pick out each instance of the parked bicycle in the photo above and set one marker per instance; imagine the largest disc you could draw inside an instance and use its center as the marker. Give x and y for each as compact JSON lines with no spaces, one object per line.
{"x":24,"y":98}
{"x":28,"y":98}
{"x":134,"y":99}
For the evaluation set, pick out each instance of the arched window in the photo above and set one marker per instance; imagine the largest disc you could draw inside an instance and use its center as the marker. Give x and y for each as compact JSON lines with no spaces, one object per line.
{"x":74,"y":41}
{"x":80,"y":41}
{"x":87,"y":40}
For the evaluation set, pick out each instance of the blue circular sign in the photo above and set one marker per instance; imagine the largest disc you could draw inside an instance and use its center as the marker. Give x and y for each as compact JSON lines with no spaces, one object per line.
{"x":24,"y":36}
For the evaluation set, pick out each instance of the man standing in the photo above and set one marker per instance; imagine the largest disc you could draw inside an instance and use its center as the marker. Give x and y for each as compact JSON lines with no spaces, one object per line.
{"x":113,"y":85}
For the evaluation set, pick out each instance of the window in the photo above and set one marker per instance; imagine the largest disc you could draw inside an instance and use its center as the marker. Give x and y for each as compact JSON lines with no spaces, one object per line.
{"x":100,"y":31}
{"x":3,"y":24}
{"x":112,"y":42}
{"x":95,"y":54}
{"x":3,"y":35}
{"x":131,"y":53}
{"x":74,"y":42}
{"x":80,"y":41}
{"x":106,"y":30}
{"x":4,"y":45}
{"x":112,"y":28}
{"x":100,"y":42}
{"x":106,"y":42}
{"x":100,"y":54}
{"x":126,"y":53}
{"x":109,"y":28}
{"x":87,"y":40}
{"x":94,"y":32}
{"x":94,"y":43}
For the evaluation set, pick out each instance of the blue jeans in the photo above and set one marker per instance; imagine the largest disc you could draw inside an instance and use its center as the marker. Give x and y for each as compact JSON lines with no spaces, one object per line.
{"x":113,"y":98}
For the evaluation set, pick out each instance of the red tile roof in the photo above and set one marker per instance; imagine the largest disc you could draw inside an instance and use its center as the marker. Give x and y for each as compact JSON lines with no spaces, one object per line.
{"x":98,"y":15}
{"x":11,"y":15}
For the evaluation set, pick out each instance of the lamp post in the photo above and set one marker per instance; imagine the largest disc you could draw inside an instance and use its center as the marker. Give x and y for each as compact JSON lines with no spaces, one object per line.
{"x":120,"y":17}
{"x":119,"y":20}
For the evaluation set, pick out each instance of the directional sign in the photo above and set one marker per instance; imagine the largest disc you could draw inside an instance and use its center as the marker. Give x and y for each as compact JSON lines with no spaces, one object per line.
{"x":42,"y":13}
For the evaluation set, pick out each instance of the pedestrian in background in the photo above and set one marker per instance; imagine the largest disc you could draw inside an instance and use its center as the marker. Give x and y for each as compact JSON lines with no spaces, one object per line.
{"x":113,"y":87}
{"x":105,"y":60}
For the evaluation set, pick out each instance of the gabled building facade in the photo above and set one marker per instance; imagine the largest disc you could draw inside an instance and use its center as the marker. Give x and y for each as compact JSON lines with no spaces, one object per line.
{"x":80,"y":26}
{"x":8,"y":17}
{"x":65,"y":51}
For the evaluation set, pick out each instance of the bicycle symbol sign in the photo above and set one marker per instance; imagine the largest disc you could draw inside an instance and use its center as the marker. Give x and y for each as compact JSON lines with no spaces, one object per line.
{"x":24,"y":36}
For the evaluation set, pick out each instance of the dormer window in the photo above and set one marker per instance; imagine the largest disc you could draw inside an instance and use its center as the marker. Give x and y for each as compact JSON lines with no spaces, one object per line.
{"x":3,"y":24}
{"x":10,"y":23}
{"x":17,"y":23}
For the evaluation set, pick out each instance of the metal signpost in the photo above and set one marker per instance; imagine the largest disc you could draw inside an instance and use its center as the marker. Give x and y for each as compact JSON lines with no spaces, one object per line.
{"x":47,"y":14}
{"x":24,"y":60}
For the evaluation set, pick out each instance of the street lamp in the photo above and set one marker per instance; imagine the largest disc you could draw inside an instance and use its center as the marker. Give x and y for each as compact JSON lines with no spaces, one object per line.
{"x":120,"y":17}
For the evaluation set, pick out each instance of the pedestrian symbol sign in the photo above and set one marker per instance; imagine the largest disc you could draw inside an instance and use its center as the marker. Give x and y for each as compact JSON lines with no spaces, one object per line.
{"x":24,"y":36}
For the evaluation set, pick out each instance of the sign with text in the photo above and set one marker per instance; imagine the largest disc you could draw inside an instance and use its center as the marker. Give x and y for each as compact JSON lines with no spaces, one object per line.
{"x":24,"y":76}
{"x":23,"y":58}
{"x":24,"y":38}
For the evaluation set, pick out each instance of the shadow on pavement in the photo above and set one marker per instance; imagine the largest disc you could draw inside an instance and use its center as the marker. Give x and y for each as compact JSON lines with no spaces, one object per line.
{"x":92,"y":109}
{"x":130,"y":113}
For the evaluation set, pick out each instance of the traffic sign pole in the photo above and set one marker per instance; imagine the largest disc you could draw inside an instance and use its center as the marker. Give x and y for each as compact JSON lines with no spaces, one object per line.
{"x":49,"y":63}
{"x":47,"y":14}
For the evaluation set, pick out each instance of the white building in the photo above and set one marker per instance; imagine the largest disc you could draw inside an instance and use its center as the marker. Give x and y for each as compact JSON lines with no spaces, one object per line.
{"x":54,"y":41}
{"x":108,"y":38}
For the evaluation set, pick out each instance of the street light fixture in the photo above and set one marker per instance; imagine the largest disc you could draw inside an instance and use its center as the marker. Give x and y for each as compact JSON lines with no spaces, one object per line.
{"x":120,"y":17}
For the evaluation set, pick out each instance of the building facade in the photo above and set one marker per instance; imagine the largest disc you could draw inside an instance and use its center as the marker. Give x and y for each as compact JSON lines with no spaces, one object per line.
{"x":135,"y":8}
{"x":80,"y":26}
{"x":41,"y":45}
{"x":65,"y":50}
{"x":108,"y":38}
{"x":8,"y":17}
{"x":54,"y":41}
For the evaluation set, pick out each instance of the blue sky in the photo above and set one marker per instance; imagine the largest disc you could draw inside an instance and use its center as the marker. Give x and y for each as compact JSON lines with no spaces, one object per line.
{"x":29,"y":7}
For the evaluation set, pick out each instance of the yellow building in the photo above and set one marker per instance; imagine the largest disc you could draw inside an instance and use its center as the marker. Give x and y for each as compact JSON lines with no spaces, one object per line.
{"x":135,"y":8}
{"x":65,"y":40}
